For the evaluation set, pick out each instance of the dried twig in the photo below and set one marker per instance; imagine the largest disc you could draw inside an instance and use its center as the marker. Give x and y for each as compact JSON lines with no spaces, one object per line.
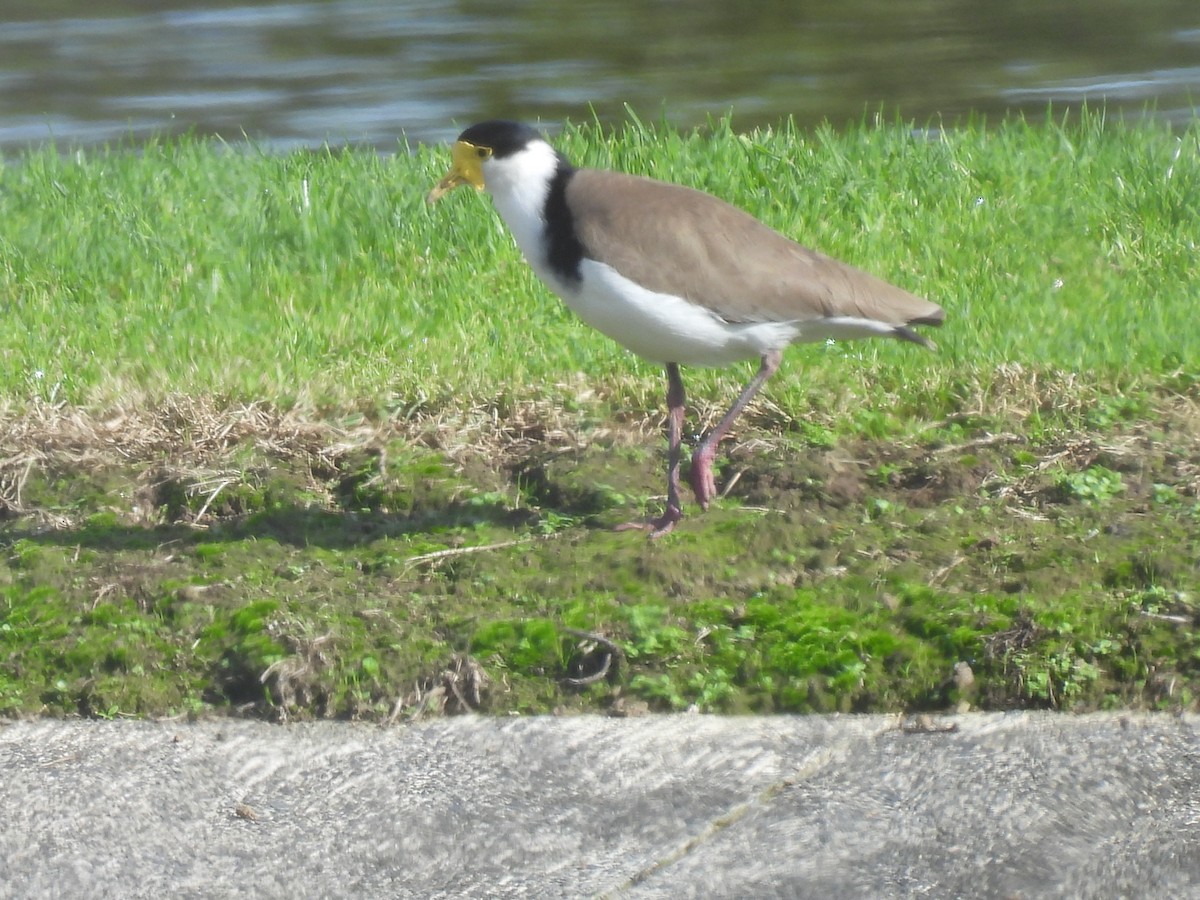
{"x":940,"y":575}
{"x":211,"y":497}
{"x":988,"y":440}
{"x":613,"y":654}
{"x":1164,"y":617}
{"x":438,"y":555}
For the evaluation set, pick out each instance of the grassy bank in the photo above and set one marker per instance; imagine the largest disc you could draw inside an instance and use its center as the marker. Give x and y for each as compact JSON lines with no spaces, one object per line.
{"x":279,"y":437}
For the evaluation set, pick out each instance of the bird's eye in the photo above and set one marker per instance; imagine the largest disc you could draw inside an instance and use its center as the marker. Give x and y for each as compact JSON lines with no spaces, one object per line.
{"x":483,"y":152}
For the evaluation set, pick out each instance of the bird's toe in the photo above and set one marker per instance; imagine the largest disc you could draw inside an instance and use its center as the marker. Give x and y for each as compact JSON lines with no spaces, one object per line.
{"x":703,"y":483}
{"x":656,"y":527}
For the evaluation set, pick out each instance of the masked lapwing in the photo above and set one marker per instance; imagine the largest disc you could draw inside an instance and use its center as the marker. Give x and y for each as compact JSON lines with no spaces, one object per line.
{"x":677,"y":276}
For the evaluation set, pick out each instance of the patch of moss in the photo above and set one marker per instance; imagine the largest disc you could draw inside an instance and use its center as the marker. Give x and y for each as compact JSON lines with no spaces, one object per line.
{"x":868,"y":576}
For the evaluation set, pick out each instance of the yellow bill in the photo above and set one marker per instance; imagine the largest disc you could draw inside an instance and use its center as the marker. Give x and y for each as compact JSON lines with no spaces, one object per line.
{"x":466,"y":168}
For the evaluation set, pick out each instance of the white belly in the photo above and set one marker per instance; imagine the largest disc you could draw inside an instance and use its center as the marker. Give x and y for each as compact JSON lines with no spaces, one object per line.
{"x":663,"y":328}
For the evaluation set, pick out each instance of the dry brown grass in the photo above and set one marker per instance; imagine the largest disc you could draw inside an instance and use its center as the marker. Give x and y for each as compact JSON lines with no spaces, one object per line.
{"x":201,"y":432}
{"x":199,"y":441}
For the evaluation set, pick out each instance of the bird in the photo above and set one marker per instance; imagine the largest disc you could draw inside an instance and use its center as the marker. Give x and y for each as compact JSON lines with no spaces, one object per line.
{"x":676,"y":275}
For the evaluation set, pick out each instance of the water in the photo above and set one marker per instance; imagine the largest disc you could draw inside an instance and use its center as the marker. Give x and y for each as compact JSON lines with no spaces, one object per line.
{"x":370,"y":72}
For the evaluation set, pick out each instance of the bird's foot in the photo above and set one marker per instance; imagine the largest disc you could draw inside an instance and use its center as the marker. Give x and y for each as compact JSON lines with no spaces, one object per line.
{"x":656,"y":528}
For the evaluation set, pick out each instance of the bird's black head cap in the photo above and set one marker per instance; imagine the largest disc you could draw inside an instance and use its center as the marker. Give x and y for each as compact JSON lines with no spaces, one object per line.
{"x":503,"y":138}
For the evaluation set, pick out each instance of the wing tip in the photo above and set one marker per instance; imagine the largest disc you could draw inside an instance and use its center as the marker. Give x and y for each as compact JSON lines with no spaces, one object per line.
{"x":904,"y":333}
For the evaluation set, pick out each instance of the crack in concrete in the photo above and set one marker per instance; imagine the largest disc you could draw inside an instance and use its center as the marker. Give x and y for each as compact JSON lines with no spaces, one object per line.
{"x":817,"y":763}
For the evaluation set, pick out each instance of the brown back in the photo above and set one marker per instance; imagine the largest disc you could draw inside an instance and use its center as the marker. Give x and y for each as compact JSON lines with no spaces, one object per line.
{"x":716,"y":255}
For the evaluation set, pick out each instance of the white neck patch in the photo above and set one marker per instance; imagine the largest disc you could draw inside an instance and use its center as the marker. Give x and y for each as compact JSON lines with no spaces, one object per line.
{"x":519,"y":185}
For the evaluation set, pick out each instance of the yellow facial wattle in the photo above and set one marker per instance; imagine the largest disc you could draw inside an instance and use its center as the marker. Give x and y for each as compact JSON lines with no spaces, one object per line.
{"x":466,"y":168}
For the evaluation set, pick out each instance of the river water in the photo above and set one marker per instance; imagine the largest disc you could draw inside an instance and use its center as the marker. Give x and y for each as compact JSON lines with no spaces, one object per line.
{"x":372,"y":72}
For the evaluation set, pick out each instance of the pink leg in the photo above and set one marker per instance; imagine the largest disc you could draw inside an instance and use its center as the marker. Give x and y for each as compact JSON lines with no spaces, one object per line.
{"x":703,"y":455}
{"x":674,"y":511}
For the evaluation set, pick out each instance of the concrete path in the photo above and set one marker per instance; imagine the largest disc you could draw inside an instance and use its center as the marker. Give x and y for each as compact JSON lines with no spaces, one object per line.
{"x":1007,"y":806}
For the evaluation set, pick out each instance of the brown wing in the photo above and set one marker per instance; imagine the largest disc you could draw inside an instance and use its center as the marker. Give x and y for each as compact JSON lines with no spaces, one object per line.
{"x":715,"y":254}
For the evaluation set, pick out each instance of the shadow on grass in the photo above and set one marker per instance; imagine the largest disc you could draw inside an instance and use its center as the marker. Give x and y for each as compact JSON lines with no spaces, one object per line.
{"x":296,"y":525}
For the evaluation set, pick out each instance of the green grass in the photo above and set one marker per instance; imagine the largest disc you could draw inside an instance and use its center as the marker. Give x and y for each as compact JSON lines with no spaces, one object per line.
{"x":324,"y":279}
{"x":280,"y":437}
